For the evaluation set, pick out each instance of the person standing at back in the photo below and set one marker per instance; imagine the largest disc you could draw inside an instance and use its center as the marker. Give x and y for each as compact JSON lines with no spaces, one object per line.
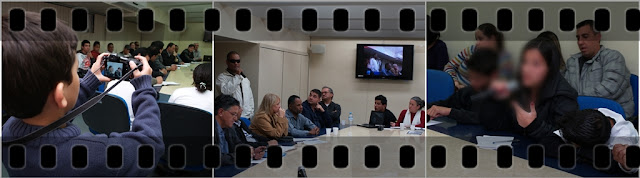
{"x":234,"y":82}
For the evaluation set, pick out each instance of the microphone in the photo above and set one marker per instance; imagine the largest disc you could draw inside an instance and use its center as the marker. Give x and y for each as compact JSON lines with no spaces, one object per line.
{"x":511,"y":86}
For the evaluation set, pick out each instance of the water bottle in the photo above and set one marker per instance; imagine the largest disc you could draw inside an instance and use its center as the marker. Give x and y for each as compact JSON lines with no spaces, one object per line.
{"x":350,"y":119}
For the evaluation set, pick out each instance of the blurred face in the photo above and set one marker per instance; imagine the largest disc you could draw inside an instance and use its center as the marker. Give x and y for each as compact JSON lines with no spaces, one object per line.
{"x":233,"y":62}
{"x":534,"y":69}
{"x":175,"y":48}
{"x":191,"y":49}
{"x":85,"y":47}
{"x":196,"y":46}
{"x":132,"y":45}
{"x":479,"y":81}
{"x":413,"y":106}
{"x":313,"y":98}
{"x":96,"y":47}
{"x":378,"y":106}
{"x":484,"y":42}
{"x":326,"y":94}
{"x":229,"y":116}
{"x":276,"y":107}
{"x":588,"y":41}
{"x":110,"y":48}
{"x":296,"y":106}
{"x":125,"y":51}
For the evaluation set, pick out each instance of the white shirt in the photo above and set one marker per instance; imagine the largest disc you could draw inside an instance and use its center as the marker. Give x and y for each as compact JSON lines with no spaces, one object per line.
{"x":189,"y":96}
{"x":80,"y":57}
{"x":374,"y":65}
{"x":622,"y":132}
{"x":125,"y":91}
{"x":229,"y":84}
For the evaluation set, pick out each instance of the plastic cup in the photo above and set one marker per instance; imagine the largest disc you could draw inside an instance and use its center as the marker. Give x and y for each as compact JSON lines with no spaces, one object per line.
{"x":328,"y":131}
{"x":402,"y":125}
{"x":335,"y":130}
{"x":413,"y":127}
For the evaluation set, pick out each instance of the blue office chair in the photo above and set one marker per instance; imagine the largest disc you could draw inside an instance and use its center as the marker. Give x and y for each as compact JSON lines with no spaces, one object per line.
{"x":439,"y":85}
{"x":187,"y":126}
{"x":246,"y":121}
{"x":592,"y":102}
{"x":634,"y":86}
{"x":111,"y":114}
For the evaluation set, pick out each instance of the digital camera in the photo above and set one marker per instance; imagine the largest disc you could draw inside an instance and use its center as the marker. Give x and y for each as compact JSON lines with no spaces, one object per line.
{"x":117,"y":66}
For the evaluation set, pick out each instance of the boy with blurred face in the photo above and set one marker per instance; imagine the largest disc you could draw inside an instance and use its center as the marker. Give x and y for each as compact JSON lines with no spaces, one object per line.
{"x":483,"y":70}
{"x":313,"y":110}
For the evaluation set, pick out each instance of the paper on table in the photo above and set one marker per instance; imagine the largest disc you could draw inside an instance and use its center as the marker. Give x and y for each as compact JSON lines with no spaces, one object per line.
{"x":430,"y":123}
{"x":303,"y":139}
{"x":287,"y":148}
{"x":415,"y":132}
{"x":493,"y":142}
{"x":258,"y":161}
{"x":314,"y":142}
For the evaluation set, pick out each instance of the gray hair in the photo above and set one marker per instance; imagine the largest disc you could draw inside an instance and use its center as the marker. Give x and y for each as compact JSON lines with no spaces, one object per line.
{"x":330,"y":90}
{"x":419,"y":101}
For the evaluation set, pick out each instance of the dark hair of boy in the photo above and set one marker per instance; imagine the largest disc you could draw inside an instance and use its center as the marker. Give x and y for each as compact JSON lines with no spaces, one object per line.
{"x":432,"y":36}
{"x":191,"y":45}
{"x":224,"y":102}
{"x":316,"y":91}
{"x":585,"y":128}
{"x":85,"y":42}
{"x":142,"y":51}
{"x":110,"y":44}
{"x":170,"y":45}
{"x":95,"y":43}
{"x":202,"y":74}
{"x":158,"y":44}
{"x":588,"y":22}
{"x":25,"y":92}
{"x":483,"y":61}
{"x":292,"y":99}
{"x":382,"y":99}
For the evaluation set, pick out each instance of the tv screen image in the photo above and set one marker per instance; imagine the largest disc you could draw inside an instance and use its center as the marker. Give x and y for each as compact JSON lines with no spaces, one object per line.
{"x":380,"y":61}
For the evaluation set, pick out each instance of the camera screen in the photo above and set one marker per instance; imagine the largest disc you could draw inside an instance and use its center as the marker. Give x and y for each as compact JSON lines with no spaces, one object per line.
{"x":113,"y":70}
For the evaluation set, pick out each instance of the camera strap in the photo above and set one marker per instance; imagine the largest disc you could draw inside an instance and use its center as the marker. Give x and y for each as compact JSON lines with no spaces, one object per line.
{"x":69,"y":116}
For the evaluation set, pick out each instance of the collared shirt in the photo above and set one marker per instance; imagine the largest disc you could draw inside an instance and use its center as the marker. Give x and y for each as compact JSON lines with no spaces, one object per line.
{"x":224,"y":146}
{"x":298,"y":126}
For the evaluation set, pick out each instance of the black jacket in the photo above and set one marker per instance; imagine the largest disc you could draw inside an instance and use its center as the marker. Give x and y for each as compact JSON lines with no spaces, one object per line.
{"x":486,"y":111}
{"x":168,"y":59}
{"x":186,"y":56}
{"x":235,"y":136}
{"x":556,"y":98}
{"x":334,"y":110}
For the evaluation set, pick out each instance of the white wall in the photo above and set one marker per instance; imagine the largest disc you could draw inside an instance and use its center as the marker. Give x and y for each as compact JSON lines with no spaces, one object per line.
{"x":336,"y":67}
{"x":617,"y":37}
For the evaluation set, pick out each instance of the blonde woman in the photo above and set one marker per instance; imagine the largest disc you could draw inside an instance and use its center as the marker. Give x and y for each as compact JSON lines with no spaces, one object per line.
{"x":270,"y":120}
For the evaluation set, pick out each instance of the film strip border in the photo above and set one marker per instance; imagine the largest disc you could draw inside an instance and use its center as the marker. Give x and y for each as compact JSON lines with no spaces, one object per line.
{"x":185,"y":157}
{"x":309,"y":23}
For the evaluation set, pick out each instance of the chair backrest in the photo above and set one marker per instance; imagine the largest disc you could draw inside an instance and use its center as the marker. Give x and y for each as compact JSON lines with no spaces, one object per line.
{"x":187,"y":126}
{"x":439,"y":85}
{"x":245,"y":121}
{"x":592,"y":102}
{"x":634,"y":85}
{"x":108,"y":115}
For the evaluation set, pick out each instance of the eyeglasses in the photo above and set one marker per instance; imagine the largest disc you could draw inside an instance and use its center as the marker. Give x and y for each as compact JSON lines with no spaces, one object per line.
{"x":234,"y":114}
{"x":234,"y":60}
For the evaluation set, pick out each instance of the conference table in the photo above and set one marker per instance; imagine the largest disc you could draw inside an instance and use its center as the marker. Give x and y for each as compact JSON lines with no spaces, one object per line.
{"x":183,"y":76}
{"x":355,"y":138}
{"x":455,"y":136}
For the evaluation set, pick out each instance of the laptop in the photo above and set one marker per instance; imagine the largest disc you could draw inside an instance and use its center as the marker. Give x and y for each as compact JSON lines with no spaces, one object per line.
{"x":206,"y":58}
{"x":376,"y":118}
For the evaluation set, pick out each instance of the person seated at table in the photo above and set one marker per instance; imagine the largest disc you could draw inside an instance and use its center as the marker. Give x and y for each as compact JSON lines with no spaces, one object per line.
{"x":412,"y":117}
{"x":169,"y":55}
{"x":543,"y":95}
{"x":200,"y":95}
{"x":437,"y":53}
{"x":483,"y":69}
{"x":590,"y":127}
{"x":299,"y":126}
{"x":313,"y":110}
{"x":156,"y":72}
{"x":227,"y":110}
{"x":125,"y":52}
{"x":333,"y":108}
{"x":187,"y":54}
{"x":487,"y":37}
{"x":380,"y":105}
{"x":270,"y":119}
{"x":553,"y":37}
{"x":246,"y":136}
{"x":96,"y":49}
{"x":599,"y":71}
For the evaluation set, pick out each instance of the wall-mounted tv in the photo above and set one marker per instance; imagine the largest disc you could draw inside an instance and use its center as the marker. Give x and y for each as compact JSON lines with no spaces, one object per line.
{"x":384,"y":61}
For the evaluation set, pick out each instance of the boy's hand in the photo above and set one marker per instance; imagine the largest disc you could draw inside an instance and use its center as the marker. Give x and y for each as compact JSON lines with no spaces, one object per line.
{"x":619,"y":153}
{"x":146,"y":69}
{"x":97,"y":68}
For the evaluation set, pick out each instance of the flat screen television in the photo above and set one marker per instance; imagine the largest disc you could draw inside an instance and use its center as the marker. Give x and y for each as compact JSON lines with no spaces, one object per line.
{"x":384,"y":61}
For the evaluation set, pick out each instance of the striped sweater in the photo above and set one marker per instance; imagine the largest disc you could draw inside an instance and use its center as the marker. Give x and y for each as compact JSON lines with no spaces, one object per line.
{"x":457,"y":68}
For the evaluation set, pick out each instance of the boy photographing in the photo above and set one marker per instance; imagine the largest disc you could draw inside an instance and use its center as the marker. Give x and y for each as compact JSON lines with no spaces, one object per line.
{"x":41,"y":85}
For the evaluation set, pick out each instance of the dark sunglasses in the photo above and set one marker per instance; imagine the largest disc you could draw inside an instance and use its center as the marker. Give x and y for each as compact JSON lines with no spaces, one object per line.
{"x":234,"y":60}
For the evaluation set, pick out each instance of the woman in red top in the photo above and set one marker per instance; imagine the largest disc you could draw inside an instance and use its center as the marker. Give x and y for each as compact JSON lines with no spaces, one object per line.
{"x":416,"y":104}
